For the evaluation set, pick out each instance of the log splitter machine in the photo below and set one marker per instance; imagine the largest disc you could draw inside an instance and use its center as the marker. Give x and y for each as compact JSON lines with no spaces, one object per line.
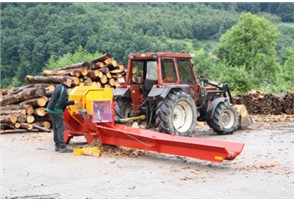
{"x":94,"y":118}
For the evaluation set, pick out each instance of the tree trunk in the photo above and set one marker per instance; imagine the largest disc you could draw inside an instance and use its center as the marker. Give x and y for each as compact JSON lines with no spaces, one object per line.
{"x":103,"y":79}
{"x":41,"y":128}
{"x":21,"y":118}
{"x":8,"y":118}
{"x":30,"y":119}
{"x":7,"y":112}
{"x":26,"y":126}
{"x":45,"y":124}
{"x":44,"y":79}
{"x":99,"y":59}
{"x":17,"y":90}
{"x":55,"y":73}
{"x":40,"y":111}
{"x":4,"y":126}
{"x":74,"y":66}
{"x":13,"y":131}
{"x":36,"y":102}
{"x":23,"y":95}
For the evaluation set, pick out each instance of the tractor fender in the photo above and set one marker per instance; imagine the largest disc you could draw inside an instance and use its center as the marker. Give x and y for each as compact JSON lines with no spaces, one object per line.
{"x":164,"y":91}
{"x":210,"y":111}
{"x":122,"y":92}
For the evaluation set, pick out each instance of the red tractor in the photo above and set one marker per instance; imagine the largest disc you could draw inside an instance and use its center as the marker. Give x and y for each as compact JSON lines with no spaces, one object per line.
{"x":164,"y":87}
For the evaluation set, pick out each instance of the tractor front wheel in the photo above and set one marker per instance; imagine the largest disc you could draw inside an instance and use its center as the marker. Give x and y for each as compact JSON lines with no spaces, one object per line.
{"x":224,"y":120}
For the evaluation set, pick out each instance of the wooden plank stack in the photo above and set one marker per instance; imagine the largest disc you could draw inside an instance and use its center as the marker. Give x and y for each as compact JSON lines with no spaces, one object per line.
{"x":258,"y":102}
{"x":23,"y":109}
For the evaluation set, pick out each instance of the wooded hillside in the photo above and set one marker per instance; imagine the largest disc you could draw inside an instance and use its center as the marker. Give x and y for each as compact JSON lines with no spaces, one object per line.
{"x":33,"y":33}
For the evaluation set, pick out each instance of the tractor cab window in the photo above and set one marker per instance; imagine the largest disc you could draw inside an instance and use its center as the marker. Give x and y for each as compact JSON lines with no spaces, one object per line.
{"x":144,"y":70}
{"x":151,"y":72}
{"x":185,"y":71}
{"x":168,"y":71}
{"x":137,"y":71}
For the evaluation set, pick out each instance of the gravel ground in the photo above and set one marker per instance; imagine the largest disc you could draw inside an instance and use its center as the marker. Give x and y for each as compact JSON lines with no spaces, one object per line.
{"x":31,"y":169}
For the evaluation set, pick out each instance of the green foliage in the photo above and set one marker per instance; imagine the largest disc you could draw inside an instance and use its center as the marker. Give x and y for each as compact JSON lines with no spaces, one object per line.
{"x":238,"y":78}
{"x":80,"y":55}
{"x":250,"y":44}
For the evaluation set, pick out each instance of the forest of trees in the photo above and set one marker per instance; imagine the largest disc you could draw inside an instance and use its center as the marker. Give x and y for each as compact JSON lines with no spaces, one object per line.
{"x":35,"y":36}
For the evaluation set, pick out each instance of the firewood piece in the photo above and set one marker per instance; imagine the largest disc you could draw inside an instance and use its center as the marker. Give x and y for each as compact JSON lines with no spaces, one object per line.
{"x":17,"y":90}
{"x":13,"y":131}
{"x":104,"y":70}
{"x":76,"y":73}
{"x":17,"y":107}
{"x":116,"y":71}
{"x":121,"y":66}
{"x":103,"y":79}
{"x":74,"y":66}
{"x":4,"y":126}
{"x":21,"y":118}
{"x":99,"y":59}
{"x":36,"y":102}
{"x":40,"y":111}
{"x":88,"y":82}
{"x":84,"y":71}
{"x":19,"y":111}
{"x":26,"y":126}
{"x":30,"y":119}
{"x":75,"y":81}
{"x":288,"y":105}
{"x":29,"y":109}
{"x":108,"y":75}
{"x":26,"y":94}
{"x":50,"y":88}
{"x":17,"y":125}
{"x":55,"y":72}
{"x":99,"y":65}
{"x":95,"y":74}
{"x":8,"y":118}
{"x":44,"y":79}
{"x":45,"y":124}
{"x":112,"y":82}
{"x":41,"y":128}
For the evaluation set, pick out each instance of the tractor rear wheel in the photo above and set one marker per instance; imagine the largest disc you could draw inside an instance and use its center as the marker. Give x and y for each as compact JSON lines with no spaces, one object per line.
{"x":176,"y":114}
{"x":123,"y":108}
{"x":225,"y":119}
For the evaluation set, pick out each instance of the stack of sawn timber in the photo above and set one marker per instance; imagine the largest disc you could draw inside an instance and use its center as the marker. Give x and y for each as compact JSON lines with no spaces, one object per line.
{"x":258,"y":102}
{"x":23,"y":109}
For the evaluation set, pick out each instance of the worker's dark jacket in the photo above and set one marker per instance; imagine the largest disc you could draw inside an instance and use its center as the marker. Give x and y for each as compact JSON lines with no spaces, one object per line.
{"x":58,"y":102}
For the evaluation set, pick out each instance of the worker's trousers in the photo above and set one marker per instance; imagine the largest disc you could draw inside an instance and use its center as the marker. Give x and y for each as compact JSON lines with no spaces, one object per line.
{"x":58,"y":129}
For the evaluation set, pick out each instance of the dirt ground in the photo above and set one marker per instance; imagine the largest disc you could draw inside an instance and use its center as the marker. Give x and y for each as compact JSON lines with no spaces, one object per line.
{"x":265,"y":169}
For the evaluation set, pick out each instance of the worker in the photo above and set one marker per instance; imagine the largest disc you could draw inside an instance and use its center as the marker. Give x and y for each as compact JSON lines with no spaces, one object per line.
{"x":56,"y":106}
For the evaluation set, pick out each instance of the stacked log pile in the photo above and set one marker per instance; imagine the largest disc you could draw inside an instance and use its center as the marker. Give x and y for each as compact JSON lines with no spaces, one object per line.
{"x":258,"y":102}
{"x":103,"y":72}
{"x":23,"y":109}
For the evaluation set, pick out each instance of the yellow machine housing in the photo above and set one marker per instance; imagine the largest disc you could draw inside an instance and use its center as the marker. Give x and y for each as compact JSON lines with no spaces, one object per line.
{"x":86,"y":96}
